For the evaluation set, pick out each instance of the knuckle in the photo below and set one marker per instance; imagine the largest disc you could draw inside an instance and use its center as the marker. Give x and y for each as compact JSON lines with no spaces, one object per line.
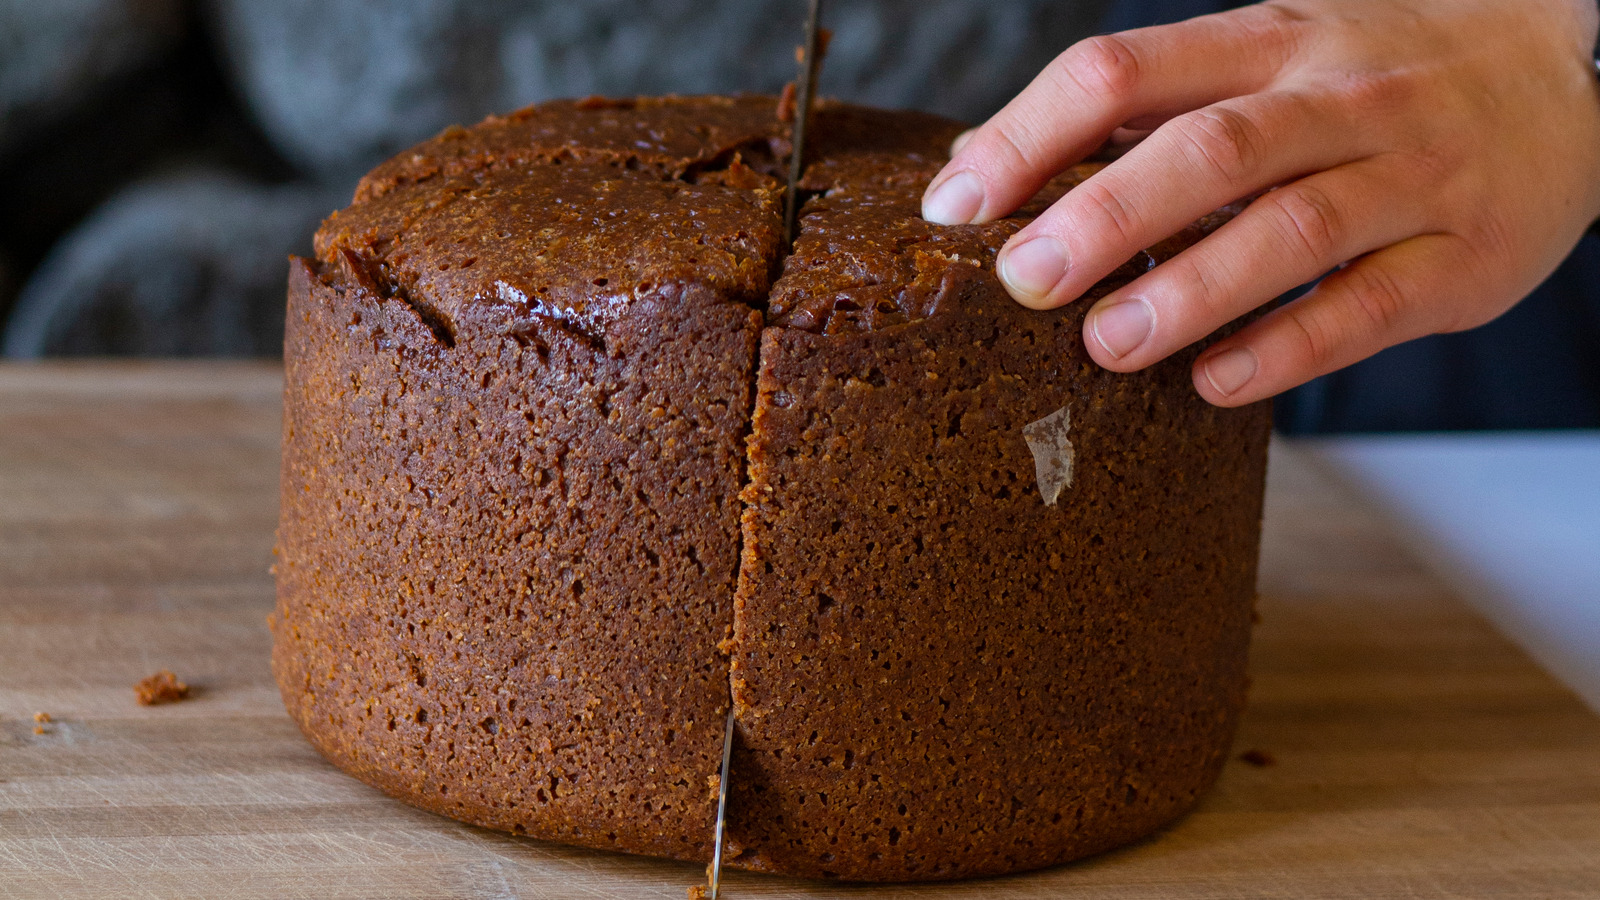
{"x":1309,"y":222}
{"x":1011,"y":145}
{"x":1014,"y":148}
{"x":1277,"y":16}
{"x":1105,"y":66}
{"x":1374,"y":95}
{"x":1226,"y":142}
{"x":1121,"y":221}
{"x":1204,"y":287}
{"x":1281,"y":29}
{"x":1368,"y":310}
{"x":1315,"y":341}
{"x":1377,"y":297}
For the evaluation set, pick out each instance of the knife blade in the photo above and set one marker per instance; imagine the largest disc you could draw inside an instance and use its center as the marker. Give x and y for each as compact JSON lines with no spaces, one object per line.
{"x":805,"y":90}
{"x":722,"y":805}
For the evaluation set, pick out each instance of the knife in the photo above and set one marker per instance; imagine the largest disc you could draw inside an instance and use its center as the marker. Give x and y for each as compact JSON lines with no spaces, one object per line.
{"x":722,"y":804}
{"x":806,"y":92}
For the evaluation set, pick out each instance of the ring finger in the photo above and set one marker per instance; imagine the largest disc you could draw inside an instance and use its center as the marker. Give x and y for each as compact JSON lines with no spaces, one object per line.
{"x":1188,"y":167}
{"x":1283,"y":239}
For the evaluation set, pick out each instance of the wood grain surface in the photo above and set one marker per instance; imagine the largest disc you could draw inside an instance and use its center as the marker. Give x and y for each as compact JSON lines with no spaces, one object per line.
{"x":1418,"y":754}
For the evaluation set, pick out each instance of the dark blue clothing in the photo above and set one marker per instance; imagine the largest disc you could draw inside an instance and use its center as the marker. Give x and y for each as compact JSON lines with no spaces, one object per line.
{"x":1537,"y":366}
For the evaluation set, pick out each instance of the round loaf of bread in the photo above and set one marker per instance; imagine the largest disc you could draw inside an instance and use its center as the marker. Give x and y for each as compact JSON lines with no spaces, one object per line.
{"x":578,"y":454}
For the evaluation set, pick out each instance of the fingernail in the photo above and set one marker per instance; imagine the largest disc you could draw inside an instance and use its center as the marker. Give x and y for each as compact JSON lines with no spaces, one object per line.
{"x":1121,"y":327}
{"x":1230,"y":370}
{"x":955,"y":201}
{"x":1032,"y":268}
{"x":961,"y":140}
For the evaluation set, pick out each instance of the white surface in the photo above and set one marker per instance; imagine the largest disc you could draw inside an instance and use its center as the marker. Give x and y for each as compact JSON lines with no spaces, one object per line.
{"x":1511,"y":520}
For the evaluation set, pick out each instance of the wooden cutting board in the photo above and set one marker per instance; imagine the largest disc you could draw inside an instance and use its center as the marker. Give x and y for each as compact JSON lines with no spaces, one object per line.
{"x":1417,"y":753}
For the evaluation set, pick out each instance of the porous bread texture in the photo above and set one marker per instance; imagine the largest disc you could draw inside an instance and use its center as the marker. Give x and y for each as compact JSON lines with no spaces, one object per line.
{"x":575,"y":451}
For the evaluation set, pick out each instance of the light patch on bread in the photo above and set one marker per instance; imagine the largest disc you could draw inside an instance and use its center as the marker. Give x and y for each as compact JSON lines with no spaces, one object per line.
{"x":1052,"y":453}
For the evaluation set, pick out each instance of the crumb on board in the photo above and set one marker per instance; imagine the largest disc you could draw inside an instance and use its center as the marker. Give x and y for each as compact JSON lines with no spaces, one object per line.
{"x":786,"y":103}
{"x":162,"y":687}
{"x":1260,"y":758}
{"x":699,"y":892}
{"x":41,"y":717}
{"x":38,"y":729}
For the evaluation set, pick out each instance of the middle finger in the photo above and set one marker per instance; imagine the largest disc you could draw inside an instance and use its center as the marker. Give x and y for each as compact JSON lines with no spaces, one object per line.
{"x":1187,"y":168}
{"x":1285,"y":238}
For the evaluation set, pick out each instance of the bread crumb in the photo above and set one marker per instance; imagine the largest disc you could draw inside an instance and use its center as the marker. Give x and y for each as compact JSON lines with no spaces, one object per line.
{"x":1259,"y":758}
{"x":787,"y":106}
{"x":38,"y":729}
{"x":162,"y":687}
{"x":41,"y":717}
{"x":824,"y":38}
{"x":699,"y":892}
{"x":786,"y":103}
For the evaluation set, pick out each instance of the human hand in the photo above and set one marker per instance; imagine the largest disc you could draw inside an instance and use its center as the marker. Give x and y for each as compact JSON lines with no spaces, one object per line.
{"x":1440,"y":157}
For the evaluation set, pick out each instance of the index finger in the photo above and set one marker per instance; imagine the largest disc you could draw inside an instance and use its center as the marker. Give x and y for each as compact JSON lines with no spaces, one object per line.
{"x":1096,"y":86}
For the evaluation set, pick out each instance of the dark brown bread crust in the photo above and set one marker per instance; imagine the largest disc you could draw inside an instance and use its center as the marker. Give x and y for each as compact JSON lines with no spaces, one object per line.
{"x":866,"y":260}
{"x":513,"y":580}
{"x":668,"y":136}
{"x":574,"y":244}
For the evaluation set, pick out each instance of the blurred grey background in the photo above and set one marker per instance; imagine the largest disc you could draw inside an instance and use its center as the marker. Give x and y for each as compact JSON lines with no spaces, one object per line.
{"x":160,"y":158}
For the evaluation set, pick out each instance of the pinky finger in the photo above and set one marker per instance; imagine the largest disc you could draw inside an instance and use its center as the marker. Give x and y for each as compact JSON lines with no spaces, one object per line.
{"x":1417,"y":287}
